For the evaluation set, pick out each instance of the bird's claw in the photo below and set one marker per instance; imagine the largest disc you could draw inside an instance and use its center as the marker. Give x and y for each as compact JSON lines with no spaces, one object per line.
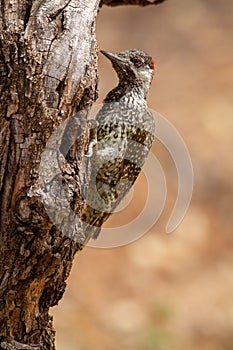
{"x":92,"y":125}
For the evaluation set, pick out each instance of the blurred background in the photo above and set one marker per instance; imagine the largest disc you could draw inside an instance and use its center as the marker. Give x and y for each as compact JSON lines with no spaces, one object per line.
{"x":167,"y":291}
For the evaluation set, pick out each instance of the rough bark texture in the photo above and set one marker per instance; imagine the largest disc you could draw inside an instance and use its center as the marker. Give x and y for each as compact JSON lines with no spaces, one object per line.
{"x":48,"y":72}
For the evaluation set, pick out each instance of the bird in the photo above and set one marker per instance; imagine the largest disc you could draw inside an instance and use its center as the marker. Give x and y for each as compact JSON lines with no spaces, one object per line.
{"x":123,"y":137}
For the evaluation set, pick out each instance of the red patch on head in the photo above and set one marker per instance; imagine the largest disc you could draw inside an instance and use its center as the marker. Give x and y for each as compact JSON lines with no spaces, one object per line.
{"x":152,"y":64}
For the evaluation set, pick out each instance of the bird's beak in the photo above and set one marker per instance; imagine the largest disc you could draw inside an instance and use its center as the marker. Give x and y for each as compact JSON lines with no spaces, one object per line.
{"x":113,"y":57}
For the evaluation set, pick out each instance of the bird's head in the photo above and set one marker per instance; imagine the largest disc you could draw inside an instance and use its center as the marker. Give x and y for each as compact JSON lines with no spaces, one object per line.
{"x":133,"y":66}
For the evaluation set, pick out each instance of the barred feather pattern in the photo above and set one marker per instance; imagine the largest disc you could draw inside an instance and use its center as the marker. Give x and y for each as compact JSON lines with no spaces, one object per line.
{"x":125,"y":134}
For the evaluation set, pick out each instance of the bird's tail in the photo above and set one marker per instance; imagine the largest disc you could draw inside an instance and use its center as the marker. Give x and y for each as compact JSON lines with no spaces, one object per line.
{"x":92,"y":221}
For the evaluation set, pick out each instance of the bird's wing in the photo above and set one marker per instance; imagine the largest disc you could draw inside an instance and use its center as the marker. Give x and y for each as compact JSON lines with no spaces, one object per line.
{"x":116,"y":164}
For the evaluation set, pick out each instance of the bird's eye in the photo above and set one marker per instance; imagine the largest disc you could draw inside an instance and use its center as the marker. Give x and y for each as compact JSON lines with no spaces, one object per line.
{"x":137,"y":62}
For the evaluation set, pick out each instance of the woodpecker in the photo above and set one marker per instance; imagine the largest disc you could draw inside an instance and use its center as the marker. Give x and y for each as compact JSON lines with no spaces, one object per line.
{"x":124,"y":136}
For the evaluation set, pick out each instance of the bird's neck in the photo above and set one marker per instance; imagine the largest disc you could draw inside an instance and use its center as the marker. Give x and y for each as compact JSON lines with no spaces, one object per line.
{"x":126,"y":89}
{"x":137,"y":88}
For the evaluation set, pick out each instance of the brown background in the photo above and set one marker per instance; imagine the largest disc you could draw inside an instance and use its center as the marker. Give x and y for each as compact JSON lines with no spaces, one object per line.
{"x":167,"y":291}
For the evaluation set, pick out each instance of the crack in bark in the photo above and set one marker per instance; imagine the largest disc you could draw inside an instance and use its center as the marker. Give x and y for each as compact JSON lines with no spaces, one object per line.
{"x":28,"y":8}
{"x":58,"y":11}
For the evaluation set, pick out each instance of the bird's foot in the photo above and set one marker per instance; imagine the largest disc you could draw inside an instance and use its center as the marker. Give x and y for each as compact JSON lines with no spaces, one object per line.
{"x":93,"y":125}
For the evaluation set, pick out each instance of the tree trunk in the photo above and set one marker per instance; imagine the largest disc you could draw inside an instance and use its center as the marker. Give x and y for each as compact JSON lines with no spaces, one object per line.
{"x":48,"y":72}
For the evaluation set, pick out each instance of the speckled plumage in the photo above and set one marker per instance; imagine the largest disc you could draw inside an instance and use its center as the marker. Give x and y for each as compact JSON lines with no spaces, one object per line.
{"x":125,"y":134}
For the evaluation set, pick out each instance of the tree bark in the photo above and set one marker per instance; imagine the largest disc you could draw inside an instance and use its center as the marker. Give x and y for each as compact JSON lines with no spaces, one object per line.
{"x":48,"y":72}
